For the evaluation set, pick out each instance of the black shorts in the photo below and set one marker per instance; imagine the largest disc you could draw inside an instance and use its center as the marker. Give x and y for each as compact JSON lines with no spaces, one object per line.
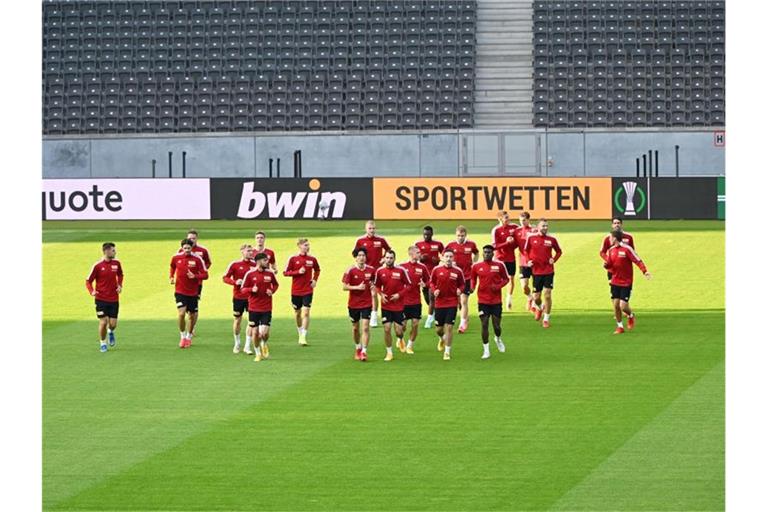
{"x":525,"y":272}
{"x":239,"y":306}
{"x":428,"y":297}
{"x":489,"y":310}
{"x":445,"y":316}
{"x":301,"y":301}
{"x":412,"y":312}
{"x":391,"y":316}
{"x":186,"y":301}
{"x":543,"y":281}
{"x":359,"y":314}
{"x":107,"y":309}
{"x":259,"y":318}
{"x":510,"y":266}
{"x":621,"y":292}
{"x":467,"y":288}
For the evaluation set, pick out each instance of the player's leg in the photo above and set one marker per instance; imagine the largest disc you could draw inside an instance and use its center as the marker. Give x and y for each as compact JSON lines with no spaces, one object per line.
{"x":111,"y":326}
{"x":304,"y":312}
{"x":296,"y":303}
{"x":253,"y":318}
{"x":525,"y":279}
{"x":387,"y":335}
{"x":192,"y":323}
{"x":263,"y":328}
{"x":440,"y":331}
{"x":103,"y":321}
{"x":182,"y":319}
{"x":464,"y":310}
{"x":356,"y":334}
{"x":429,"y":298}
{"x":496,"y":321}
{"x":236,"y":326}
{"x":484,"y":335}
{"x":249,"y":335}
{"x":413,"y":332}
{"x":448,"y":337}
{"x":365,"y":336}
{"x":375,"y":309}
{"x":399,"y":330}
{"x":510,"y":266}
{"x":547,"y":306}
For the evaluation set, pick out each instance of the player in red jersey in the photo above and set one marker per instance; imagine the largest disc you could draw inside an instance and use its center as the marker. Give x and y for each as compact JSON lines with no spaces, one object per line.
{"x":261,"y":238}
{"x":198,"y":250}
{"x":618,"y":261}
{"x":108,"y":275}
{"x":430,"y":256}
{"x":418,"y":274}
{"x":260,"y":284}
{"x":617,"y":224}
{"x":234,"y":277}
{"x":489,"y":277}
{"x":542,"y":252}
{"x":465,"y":253}
{"x":503,"y":240}
{"x":391,"y":282}
{"x":521,"y":235}
{"x":447,"y":284}
{"x":358,"y":281}
{"x":187,"y":272}
{"x":305,"y":271}
{"x":375,"y":247}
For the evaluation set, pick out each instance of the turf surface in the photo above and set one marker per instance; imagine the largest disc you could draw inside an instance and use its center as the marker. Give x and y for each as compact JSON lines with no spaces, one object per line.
{"x":569,"y":418}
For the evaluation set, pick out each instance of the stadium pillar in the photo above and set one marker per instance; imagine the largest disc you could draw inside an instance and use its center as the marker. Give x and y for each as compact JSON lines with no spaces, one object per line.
{"x":183,"y":164}
{"x":645,"y":167}
{"x":170,"y":164}
{"x":278,"y":167}
{"x":270,"y":167}
{"x":154,"y":163}
{"x":656,"y":161}
{"x":677,"y":161}
{"x":650,"y":163}
{"x":637,"y":167}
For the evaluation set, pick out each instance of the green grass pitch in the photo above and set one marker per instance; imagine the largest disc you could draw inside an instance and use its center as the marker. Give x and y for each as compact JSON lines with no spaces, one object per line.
{"x":572,"y":418}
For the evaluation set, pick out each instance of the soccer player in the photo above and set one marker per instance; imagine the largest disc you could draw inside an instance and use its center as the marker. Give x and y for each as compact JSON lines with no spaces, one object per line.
{"x":259,"y":247}
{"x":234,"y":276}
{"x":430,"y":256}
{"x":618,"y":261}
{"x":617,"y":224}
{"x":503,"y":240}
{"x":465,"y":253}
{"x":418,"y":274}
{"x":542,"y":252}
{"x":446,"y":283}
{"x":305,"y":270}
{"x":260,"y":283}
{"x":202,"y":252}
{"x":357,"y":280}
{"x":187,"y":272}
{"x":489,"y":277}
{"x":521,"y":235}
{"x":375,"y":246}
{"x":108,"y":275}
{"x":391,"y":282}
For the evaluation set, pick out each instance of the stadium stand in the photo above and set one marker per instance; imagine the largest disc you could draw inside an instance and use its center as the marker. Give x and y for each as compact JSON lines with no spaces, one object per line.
{"x":629,"y":64}
{"x":202,"y":66}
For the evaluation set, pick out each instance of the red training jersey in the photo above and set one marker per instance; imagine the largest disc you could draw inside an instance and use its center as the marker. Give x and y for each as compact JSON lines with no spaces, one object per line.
{"x":180,"y":265}
{"x":108,"y":275}
{"x":202,"y":252}
{"x":355,"y":276}
{"x":389,"y":281}
{"x":375,"y":247}
{"x":521,"y":236}
{"x":301,"y":284}
{"x":236,"y":272}
{"x":430,"y":253}
{"x":626,"y":239}
{"x":448,"y":280}
{"x":619,"y":262}
{"x":462,"y":254}
{"x":505,"y":249}
{"x":489,"y":278}
{"x":256,"y":283}
{"x":539,"y":249}
{"x":269,"y":252}
{"x":418,"y":275}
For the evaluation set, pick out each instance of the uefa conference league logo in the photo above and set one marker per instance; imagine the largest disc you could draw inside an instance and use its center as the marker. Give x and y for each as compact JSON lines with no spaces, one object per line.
{"x":629,"y":188}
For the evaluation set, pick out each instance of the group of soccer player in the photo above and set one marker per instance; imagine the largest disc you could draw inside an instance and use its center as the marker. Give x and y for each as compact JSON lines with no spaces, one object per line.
{"x":444,"y":275}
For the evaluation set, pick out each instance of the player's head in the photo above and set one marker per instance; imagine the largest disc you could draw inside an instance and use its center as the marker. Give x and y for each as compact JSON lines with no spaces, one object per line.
{"x":543,"y":226}
{"x":525,"y":219}
{"x":487,"y":252}
{"x":360,"y":255}
{"x":389,"y":258}
{"x":187,"y":245}
{"x":427,"y":233}
{"x":303,"y":245}
{"x":260,"y":237}
{"x":461,"y":234}
{"x":448,"y":257}
{"x":247,"y":251}
{"x":192,"y":235}
{"x":370,"y":228}
{"x":108,"y":248}
{"x":616,"y":223}
{"x":503,"y":216}
{"x":616,"y":236}
{"x":414,"y":253}
{"x":262,"y":260}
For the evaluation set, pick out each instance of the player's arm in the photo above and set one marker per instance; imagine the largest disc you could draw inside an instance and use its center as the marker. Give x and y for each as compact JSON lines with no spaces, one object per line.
{"x":275,"y":284}
{"x":207,"y":259}
{"x":504,"y":277}
{"x":475,"y":253}
{"x":173,"y":270}
{"x":89,"y":281}
{"x":558,"y":251}
{"x":228,"y":277}
{"x":472,"y":278}
{"x":460,"y":282}
{"x":202,"y":273}
{"x":288,"y":272}
{"x":315,"y":273}
{"x":635,"y":258}
{"x":347,"y":287}
{"x":498,"y":241}
{"x":604,"y":248}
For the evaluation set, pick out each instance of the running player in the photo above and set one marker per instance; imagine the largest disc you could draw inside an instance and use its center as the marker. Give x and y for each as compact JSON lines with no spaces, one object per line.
{"x":261,"y":238}
{"x":489,"y":277}
{"x":503,"y":240}
{"x":618,"y":261}
{"x":391,"y":282}
{"x":465,"y":254}
{"x":542,"y":252}
{"x":430,"y":256}
{"x":375,"y":246}
{"x":187,"y":272}
{"x":234,"y":276}
{"x":260,"y":283}
{"x":202,"y":252}
{"x":305,"y":270}
{"x":617,"y":224}
{"x":357,"y":280}
{"x":447,"y":283}
{"x":418,"y":274}
{"x":521,"y":235}
{"x":108,"y":275}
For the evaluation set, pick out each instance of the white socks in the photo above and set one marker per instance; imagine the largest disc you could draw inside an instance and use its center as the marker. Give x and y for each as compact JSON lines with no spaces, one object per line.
{"x":247,"y":342}
{"x":620,"y":324}
{"x":389,"y":350}
{"x":410,"y":344}
{"x":358,"y":346}
{"x":237,"y":340}
{"x":546,"y":317}
{"x":447,"y":349}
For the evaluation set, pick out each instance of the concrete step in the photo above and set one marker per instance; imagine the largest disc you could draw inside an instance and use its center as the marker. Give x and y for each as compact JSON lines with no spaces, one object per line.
{"x":503,"y":38}
{"x":503,"y":83}
{"x":494,"y":107}
{"x":516,"y":96}
{"x":501,"y":50}
{"x":502,"y":74}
